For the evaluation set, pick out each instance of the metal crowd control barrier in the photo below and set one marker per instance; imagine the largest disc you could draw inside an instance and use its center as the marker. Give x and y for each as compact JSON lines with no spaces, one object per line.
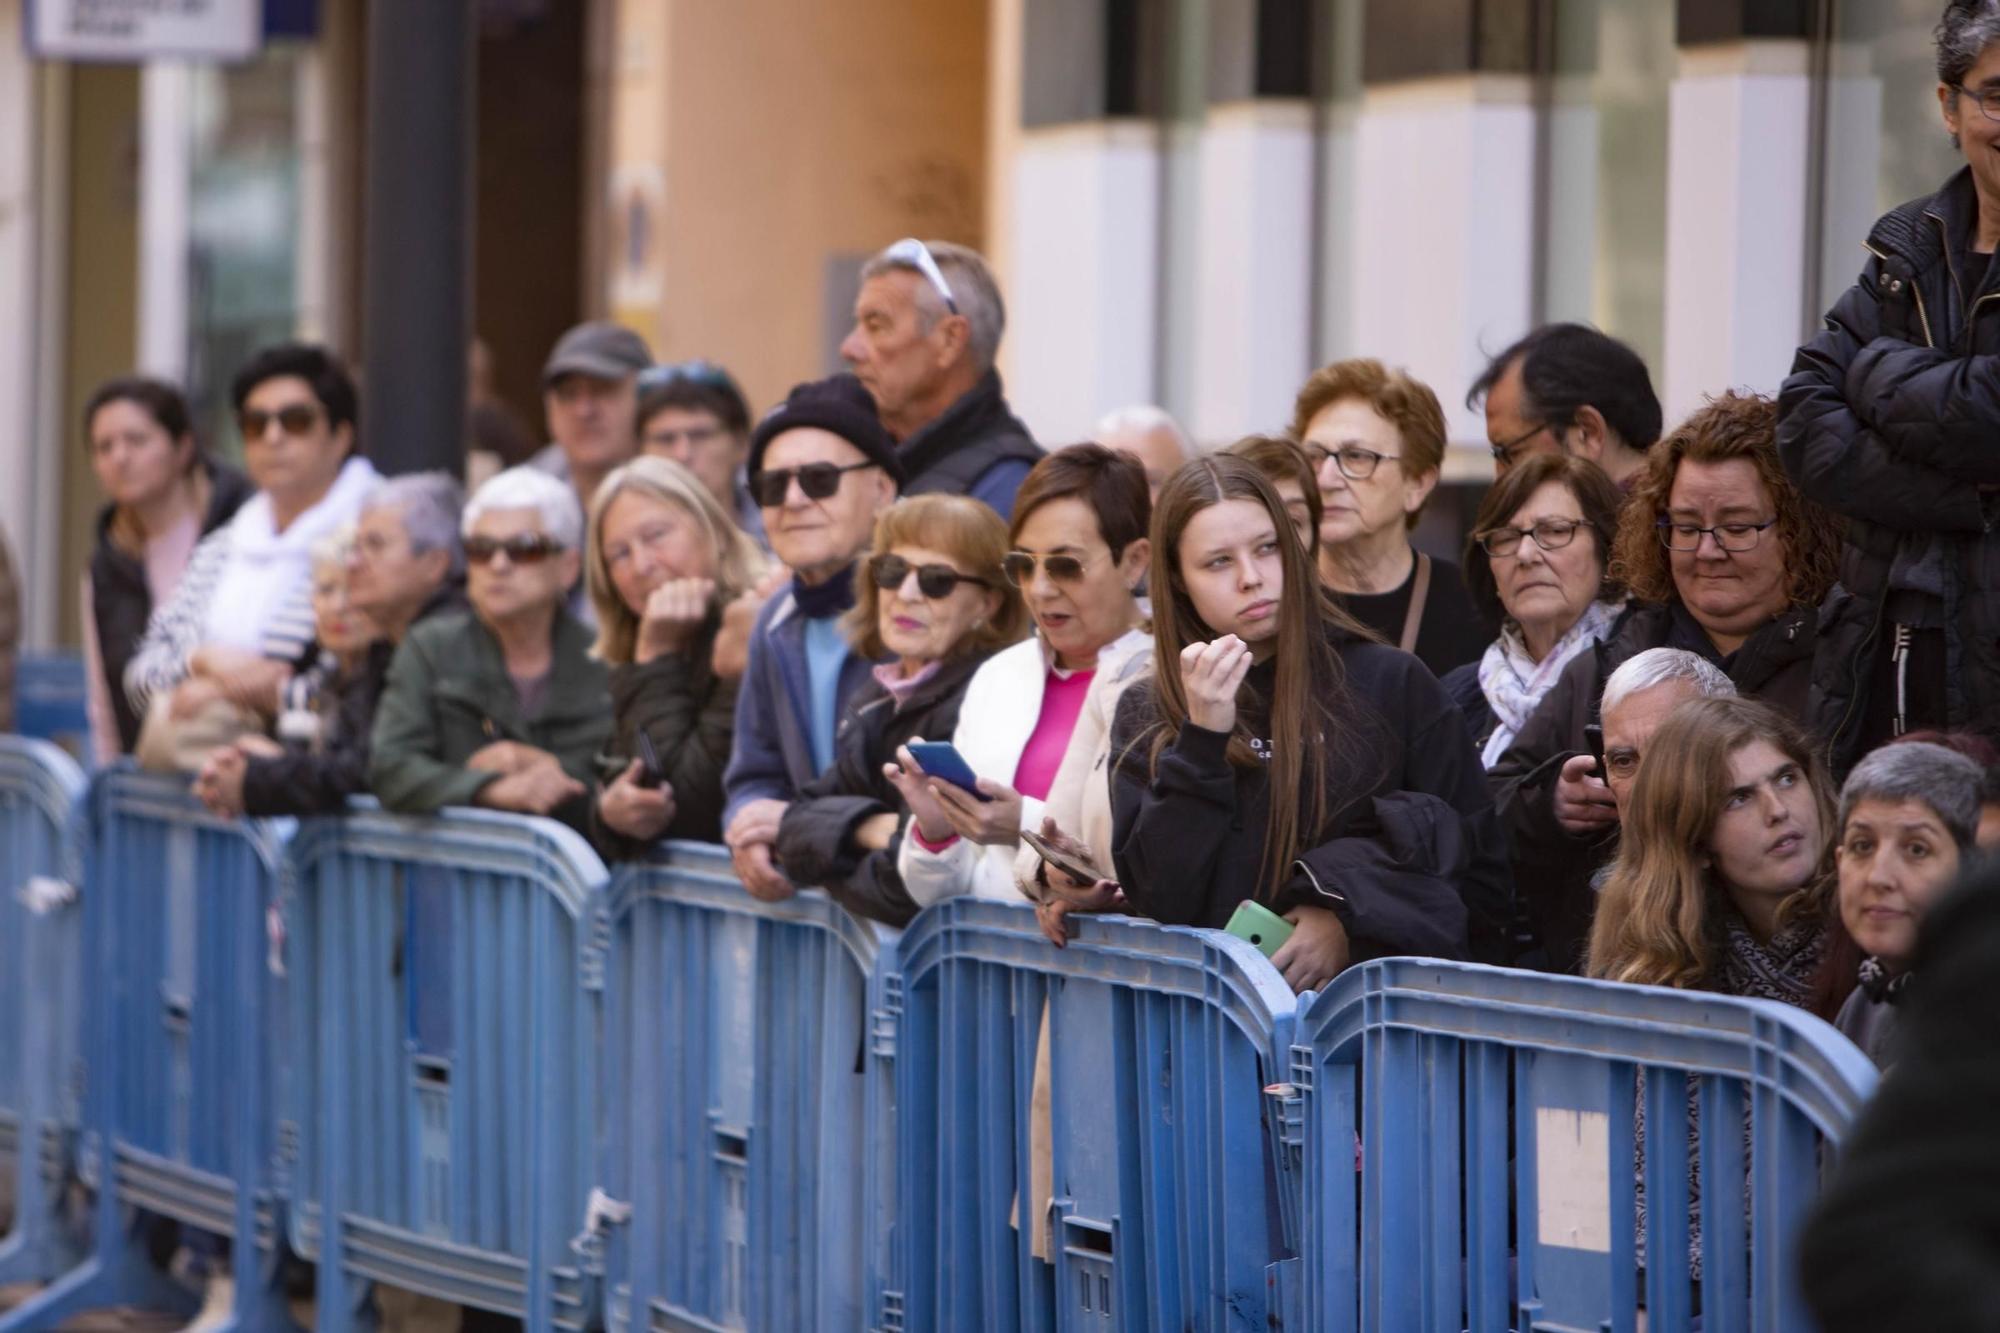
{"x":180,"y":1072}
{"x":1163,"y":1207}
{"x":446,"y":979}
{"x":742,"y":1098}
{"x":1495,"y":1113}
{"x":41,"y":1018}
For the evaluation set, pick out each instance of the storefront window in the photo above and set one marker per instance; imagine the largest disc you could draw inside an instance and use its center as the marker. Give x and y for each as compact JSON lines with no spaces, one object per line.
{"x":1605,"y":212}
{"x":1882,"y":141}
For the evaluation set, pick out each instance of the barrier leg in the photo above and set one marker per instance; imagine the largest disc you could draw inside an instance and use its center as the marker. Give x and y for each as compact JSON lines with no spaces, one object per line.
{"x":119,"y":1274}
{"x":32,"y":1253}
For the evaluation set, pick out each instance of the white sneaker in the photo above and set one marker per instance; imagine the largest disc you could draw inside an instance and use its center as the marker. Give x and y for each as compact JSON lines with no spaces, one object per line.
{"x":216,"y":1306}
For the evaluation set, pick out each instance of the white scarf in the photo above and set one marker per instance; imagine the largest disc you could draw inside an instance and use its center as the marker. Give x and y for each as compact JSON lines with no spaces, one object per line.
{"x":1514,"y":683}
{"x":267,"y":567}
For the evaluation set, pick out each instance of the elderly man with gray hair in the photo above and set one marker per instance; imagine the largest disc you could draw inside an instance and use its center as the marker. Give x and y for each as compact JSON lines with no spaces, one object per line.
{"x":927,"y":326}
{"x":1638,"y":697}
{"x":1151,"y":435}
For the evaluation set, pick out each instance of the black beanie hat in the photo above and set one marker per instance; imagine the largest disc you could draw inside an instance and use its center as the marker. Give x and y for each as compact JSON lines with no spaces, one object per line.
{"x":838,"y":404}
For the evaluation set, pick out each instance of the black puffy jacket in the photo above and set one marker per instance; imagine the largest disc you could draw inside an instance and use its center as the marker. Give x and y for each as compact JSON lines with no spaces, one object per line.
{"x":1891,"y":417}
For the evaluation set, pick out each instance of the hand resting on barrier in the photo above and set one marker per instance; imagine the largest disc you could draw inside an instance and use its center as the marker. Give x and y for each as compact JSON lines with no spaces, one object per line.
{"x":538,"y":789}
{"x":1067,"y":894}
{"x":635,"y":811}
{"x":750,"y":838}
{"x":1316,"y":953}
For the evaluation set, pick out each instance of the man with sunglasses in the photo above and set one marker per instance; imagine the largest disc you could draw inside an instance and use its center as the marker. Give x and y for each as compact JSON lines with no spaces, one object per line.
{"x":822,"y":470}
{"x":1566,"y":388}
{"x":927,"y":328}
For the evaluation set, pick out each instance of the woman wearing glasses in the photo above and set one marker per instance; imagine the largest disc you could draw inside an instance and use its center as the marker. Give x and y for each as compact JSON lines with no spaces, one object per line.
{"x":1537,"y":557}
{"x":662,"y":560}
{"x":1726,"y":560}
{"x":932,"y":605}
{"x":501,"y":706}
{"x":692,"y":413}
{"x":1078,"y":551}
{"x":1376,"y":439}
{"x":217,"y":652}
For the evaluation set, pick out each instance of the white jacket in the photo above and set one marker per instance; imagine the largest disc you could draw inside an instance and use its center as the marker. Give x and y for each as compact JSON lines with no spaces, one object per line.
{"x":1003,"y":702}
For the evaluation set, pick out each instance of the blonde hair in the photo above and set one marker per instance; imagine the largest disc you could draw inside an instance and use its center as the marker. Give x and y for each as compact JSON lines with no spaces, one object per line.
{"x":738,"y":561}
{"x":976,"y":540}
{"x":1656,"y":916}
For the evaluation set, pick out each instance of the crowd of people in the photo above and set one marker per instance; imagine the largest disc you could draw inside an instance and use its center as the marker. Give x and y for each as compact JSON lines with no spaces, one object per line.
{"x":1711,"y":704}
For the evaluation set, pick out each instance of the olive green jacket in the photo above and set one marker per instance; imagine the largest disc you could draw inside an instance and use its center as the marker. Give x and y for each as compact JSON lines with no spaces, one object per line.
{"x":449,"y":694}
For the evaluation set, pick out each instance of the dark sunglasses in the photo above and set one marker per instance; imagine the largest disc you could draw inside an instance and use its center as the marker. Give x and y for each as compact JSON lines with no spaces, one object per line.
{"x":1019,"y":567}
{"x":817,"y":480}
{"x":296,"y":419}
{"x":936,"y":582}
{"x":527,"y":548}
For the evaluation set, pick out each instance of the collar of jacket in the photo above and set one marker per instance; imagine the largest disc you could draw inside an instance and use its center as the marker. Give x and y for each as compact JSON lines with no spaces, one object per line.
{"x":979,"y":411}
{"x":1916,"y":231}
{"x":1111,"y":658}
{"x":950,"y":678}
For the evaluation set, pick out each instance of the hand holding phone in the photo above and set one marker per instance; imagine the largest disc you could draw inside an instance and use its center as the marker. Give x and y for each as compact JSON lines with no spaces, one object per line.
{"x":1076,"y":867}
{"x":941,"y":760}
{"x":1259,"y":925}
{"x":1593,"y":739}
{"x":650,"y":773}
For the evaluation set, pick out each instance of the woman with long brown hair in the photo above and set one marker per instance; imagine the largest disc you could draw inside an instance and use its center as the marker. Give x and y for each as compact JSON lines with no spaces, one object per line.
{"x":1724,"y":880}
{"x":1387,"y":843}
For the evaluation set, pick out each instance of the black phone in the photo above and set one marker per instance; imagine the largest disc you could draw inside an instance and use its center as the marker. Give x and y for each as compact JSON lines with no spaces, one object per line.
{"x":650,"y":775}
{"x":1593,"y":736}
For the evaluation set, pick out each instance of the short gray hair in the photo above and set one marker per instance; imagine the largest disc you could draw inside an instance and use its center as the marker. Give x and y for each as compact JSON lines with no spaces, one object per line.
{"x":1962,"y":35}
{"x":972,"y":287}
{"x":429,"y":505}
{"x":527,"y":487}
{"x":1943,"y":780}
{"x":1144,"y":419}
{"x":1661,"y":666}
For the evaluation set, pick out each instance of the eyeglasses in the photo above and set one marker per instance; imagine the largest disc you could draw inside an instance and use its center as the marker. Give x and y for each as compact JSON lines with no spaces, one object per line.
{"x":1355,"y":463}
{"x":935,"y":582}
{"x":1988,"y":99}
{"x":816,"y":480}
{"x":1020,"y":566}
{"x":1551,"y":534}
{"x":1728,"y":536}
{"x":526,"y":548}
{"x":293,"y":419}
{"x":1503,"y":453}
{"x":697,"y":371}
{"x":696,"y":436}
{"x":917,"y":255}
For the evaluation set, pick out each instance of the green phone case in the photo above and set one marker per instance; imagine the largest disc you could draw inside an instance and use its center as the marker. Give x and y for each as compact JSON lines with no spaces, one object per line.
{"x":1260,"y":926}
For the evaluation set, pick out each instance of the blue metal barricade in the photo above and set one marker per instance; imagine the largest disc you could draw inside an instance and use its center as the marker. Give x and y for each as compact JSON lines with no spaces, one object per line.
{"x":741,"y":1096}
{"x":50,"y":701}
{"x":1497,"y":1181}
{"x":1162,"y":1207}
{"x":41,"y":1017}
{"x":446,"y":984}
{"x":179,"y":1069}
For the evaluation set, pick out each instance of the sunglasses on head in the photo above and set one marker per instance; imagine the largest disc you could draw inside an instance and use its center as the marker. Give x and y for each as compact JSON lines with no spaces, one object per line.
{"x":526,"y":548}
{"x":698,"y":371}
{"x":1019,"y":567}
{"x":295,"y":419}
{"x":935,"y":582}
{"x":917,"y":255}
{"x":816,"y":480}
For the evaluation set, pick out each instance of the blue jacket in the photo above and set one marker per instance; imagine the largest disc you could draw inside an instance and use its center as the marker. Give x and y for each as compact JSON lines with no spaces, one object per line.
{"x":773,"y":755}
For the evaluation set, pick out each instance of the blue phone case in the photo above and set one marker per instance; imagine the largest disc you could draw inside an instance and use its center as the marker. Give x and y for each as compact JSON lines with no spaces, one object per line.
{"x":941,"y":760}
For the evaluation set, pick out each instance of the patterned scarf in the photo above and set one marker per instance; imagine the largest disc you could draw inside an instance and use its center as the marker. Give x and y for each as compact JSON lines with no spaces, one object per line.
{"x":1514,"y":683}
{"x":1783,"y":969}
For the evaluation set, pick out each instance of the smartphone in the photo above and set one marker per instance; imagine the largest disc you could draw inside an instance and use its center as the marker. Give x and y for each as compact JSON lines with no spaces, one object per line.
{"x":1259,"y":925}
{"x":941,"y":759}
{"x":1074,"y":866}
{"x":1593,"y":736}
{"x":650,"y":775}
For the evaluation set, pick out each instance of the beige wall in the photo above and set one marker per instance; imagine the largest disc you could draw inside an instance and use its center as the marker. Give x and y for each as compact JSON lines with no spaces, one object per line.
{"x":771,"y":136}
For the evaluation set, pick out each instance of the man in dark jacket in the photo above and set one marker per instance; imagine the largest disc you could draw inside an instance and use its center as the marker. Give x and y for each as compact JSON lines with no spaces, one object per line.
{"x":822,"y":469}
{"x":1890,"y":417}
{"x":927,"y":328}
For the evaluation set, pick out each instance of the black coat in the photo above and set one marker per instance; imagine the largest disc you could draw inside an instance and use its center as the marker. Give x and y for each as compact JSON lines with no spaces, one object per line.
{"x":120,"y":601}
{"x":689,"y":715}
{"x":1890,"y":417}
{"x":1907,"y":1235}
{"x":318,"y":781}
{"x":1554,"y":866}
{"x":969,"y":439}
{"x":1411,"y":858}
{"x":816,"y":838}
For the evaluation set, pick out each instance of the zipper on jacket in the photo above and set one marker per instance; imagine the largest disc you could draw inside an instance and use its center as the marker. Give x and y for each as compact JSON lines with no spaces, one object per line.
{"x":1944,"y":239}
{"x":1923,"y":316}
{"x":1318,"y":887}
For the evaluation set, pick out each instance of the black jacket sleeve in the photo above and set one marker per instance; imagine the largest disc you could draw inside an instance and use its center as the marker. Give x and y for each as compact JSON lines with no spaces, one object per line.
{"x":816,"y":837}
{"x":1394,"y":881}
{"x":689,"y":715}
{"x":1838,"y":457}
{"x":319,"y":783}
{"x":1170,"y":831}
{"x":1932,"y":409}
{"x":1908,"y":1233}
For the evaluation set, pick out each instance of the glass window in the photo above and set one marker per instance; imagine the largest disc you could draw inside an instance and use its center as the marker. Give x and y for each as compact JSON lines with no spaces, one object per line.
{"x":1882,"y":141}
{"x":1605,"y":212}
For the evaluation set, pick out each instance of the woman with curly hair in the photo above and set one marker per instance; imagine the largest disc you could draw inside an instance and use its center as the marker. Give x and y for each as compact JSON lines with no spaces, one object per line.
{"x":1725,"y":875}
{"x":1723,"y":557}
